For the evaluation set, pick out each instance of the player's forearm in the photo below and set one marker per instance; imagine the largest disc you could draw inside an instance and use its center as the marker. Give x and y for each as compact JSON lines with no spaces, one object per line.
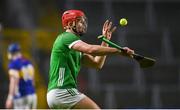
{"x":97,"y":50}
{"x":12,"y":86}
{"x":101,"y":59}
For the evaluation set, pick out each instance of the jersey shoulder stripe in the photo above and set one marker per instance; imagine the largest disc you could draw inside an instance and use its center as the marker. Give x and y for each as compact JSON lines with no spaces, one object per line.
{"x":70,"y":46}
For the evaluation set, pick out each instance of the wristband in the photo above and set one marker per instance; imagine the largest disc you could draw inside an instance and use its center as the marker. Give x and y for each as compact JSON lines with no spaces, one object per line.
{"x":10,"y":97}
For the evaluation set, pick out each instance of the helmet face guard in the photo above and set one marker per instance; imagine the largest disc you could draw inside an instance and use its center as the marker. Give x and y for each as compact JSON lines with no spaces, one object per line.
{"x":80,"y":25}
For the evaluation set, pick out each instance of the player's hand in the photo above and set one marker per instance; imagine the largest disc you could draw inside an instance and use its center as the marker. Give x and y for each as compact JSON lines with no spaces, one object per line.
{"x":108,"y":30}
{"x":9,"y":104}
{"x":128,"y":52}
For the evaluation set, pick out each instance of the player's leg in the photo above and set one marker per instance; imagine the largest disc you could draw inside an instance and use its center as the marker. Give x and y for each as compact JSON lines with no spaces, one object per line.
{"x":69,"y":98}
{"x":60,"y":99}
{"x":32,"y":99}
{"x":19,"y":103}
{"x":86,"y":103}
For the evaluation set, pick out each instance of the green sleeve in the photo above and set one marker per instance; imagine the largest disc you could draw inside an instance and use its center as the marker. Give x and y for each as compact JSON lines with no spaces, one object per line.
{"x":69,"y":39}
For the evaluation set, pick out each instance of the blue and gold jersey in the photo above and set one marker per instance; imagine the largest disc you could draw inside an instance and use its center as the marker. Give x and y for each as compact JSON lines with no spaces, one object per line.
{"x":25,"y":86}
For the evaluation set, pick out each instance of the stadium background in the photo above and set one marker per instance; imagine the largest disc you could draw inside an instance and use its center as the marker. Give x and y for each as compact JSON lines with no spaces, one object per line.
{"x":153,"y":30}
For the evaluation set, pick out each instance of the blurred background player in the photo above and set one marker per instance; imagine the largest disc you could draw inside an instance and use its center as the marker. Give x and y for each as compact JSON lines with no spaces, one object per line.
{"x":68,"y":53}
{"x":21,"y":74}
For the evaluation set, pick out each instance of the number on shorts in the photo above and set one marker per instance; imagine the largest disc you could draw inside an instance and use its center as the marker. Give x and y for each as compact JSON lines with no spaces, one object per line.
{"x":61,"y":76}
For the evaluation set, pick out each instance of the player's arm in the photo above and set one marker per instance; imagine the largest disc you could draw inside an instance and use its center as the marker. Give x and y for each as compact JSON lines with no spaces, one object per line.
{"x":14,"y":79}
{"x":97,"y":50}
{"x":94,"y":61}
{"x":98,"y":61}
{"x":90,"y":51}
{"x":94,"y":50}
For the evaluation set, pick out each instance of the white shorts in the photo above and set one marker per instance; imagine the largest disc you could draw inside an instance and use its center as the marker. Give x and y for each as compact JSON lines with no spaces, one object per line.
{"x":63,"y":98}
{"x":26,"y":102}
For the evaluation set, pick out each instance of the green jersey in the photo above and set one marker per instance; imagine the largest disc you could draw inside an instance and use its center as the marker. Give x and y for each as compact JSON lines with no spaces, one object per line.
{"x":64,"y":63}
